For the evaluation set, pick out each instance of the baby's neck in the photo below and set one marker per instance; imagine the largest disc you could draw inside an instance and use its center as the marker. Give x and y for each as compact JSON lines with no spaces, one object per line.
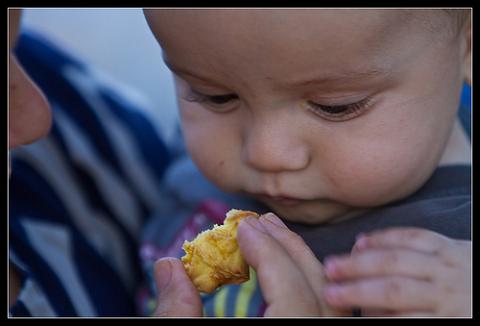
{"x":458,"y":148}
{"x":351,"y":214}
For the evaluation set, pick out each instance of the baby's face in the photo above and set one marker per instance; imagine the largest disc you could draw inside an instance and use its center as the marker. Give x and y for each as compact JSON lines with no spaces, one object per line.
{"x":313,"y":112}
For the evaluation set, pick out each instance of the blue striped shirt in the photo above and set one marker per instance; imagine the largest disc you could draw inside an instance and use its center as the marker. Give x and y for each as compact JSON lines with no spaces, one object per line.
{"x":79,"y":197}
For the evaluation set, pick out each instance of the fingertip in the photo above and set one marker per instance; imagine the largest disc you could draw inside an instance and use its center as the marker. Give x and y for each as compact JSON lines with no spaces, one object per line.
{"x":176,"y":294}
{"x":175,"y":262}
{"x":330,"y":269}
{"x":255,"y":224}
{"x":169,"y":270}
{"x":249,"y":228}
{"x":359,"y":236}
{"x":361,"y":243}
{"x":179,"y":273}
{"x":248,"y":232}
{"x":162,"y":271}
{"x":253,"y":240}
{"x":274,"y":219}
{"x":331,"y":295}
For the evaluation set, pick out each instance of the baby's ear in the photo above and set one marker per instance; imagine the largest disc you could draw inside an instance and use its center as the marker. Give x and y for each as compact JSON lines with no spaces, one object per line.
{"x":467,"y":60}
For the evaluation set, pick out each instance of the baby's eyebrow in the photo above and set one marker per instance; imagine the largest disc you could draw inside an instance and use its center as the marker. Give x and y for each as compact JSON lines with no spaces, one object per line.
{"x":344,"y":76}
{"x":341,"y":77}
{"x":180,"y":71}
{"x":174,"y":68}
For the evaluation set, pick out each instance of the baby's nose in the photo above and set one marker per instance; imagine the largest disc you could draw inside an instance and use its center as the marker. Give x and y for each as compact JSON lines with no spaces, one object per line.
{"x":275,"y":146}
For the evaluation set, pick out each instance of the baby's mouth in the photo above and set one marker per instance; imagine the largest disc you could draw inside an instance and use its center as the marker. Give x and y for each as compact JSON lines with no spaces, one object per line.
{"x":280,"y":200}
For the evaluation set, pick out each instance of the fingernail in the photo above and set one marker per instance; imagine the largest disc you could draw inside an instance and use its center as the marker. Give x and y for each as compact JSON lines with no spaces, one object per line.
{"x":359,"y":236}
{"x":272,"y":218}
{"x":332,"y":294}
{"x":362,"y":242}
{"x":330,"y":268}
{"x":163,"y":273}
{"x":255,"y":223}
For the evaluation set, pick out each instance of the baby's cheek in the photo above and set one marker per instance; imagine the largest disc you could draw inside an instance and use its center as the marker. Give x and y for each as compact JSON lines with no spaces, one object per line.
{"x":387,"y":157}
{"x":378,"y":176}
{"x":216,"y":170}
{"x":212,"y":154}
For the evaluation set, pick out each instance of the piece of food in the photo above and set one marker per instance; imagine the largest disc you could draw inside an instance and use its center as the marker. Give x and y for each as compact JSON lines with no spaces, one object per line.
{"x":213,"y":258}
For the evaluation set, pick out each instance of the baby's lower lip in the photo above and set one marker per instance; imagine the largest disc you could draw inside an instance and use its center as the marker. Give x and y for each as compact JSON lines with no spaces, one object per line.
{"x":288,"y":201}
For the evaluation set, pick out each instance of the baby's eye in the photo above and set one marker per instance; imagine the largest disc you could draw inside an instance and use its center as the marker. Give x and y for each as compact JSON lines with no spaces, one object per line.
{"x":217,"y":101}
{"x":339,"y":112}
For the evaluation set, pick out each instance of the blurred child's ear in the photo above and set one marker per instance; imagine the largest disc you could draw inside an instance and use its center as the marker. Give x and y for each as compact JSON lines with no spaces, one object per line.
{"x":467,"y":63}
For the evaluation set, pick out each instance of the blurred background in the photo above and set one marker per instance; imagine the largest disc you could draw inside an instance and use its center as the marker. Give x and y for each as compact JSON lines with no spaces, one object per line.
{"x":118,"y":42}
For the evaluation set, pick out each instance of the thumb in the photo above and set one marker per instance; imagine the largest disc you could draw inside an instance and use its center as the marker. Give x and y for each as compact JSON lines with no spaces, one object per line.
{"x":176,"y":295}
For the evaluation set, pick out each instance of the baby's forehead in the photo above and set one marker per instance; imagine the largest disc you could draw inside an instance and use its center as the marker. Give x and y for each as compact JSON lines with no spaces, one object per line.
{"x":281,"y":19}
{"x":369,"y":27}
{"x":276,"y":29}
{"x":288,"y":44}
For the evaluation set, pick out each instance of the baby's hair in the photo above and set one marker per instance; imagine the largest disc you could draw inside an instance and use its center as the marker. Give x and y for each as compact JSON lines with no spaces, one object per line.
{"x":459,"y":18}
{"x":444,"y":23}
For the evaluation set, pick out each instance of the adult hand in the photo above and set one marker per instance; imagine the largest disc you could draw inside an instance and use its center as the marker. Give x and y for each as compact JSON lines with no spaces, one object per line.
{"x":176,"y":294}
{"x":289,"y":274}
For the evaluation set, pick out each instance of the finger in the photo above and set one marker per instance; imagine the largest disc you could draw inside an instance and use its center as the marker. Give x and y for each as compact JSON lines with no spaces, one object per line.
{"x":176,"y":295}
{"x":285,"y":289}
{"x":390,"y":313}
{"x":392,"y":293}
{"x":403,"y":237}
{"x":375,"y":312}
{"x":381,"y":262}
{"x":301,"y":254}
{"x":412,"y":314}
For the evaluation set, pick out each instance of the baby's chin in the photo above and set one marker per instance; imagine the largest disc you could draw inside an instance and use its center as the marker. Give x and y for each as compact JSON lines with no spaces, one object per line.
{"x":312,"y":212}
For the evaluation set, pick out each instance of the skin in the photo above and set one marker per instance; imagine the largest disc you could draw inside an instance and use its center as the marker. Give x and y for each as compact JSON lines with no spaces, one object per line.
{"x":29,"y":111}
{"x":266,"y":140}
{"x":403,"y":272}
{"x":293,"y":265}
{"x":277,"y":157}
{"x":29,"y":116}
{"x":391,"y":148}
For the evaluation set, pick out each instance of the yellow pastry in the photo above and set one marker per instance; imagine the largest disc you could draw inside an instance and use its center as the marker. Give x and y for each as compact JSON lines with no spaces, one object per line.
{"x":213,"y":258}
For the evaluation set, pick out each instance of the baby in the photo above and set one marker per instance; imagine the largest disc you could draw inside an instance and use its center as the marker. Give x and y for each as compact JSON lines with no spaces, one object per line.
{"x":335,"y":120}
